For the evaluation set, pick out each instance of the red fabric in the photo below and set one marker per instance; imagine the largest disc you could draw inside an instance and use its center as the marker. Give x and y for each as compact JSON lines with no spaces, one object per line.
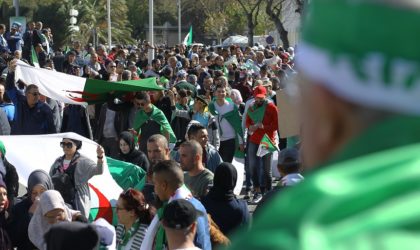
{"x":270,"y":123}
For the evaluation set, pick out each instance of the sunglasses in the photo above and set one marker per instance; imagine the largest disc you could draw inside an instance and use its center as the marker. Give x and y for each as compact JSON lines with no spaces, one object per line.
{"x":34,"y":93}
{"x":66,"y":144}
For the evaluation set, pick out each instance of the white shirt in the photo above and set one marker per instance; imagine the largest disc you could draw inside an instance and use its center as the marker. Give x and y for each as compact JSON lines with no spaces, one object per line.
{"x":225,"y":129}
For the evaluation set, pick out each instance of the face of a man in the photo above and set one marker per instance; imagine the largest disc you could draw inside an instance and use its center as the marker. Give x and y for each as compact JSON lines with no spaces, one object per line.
{"x":160,"y":187}
{"x":220,"y":93}
{"x":32,"y":97}
{"x":201,"y":137}
{"x":157,"y":152}
{"x":186,"y":158}
{"x":259,"y":101}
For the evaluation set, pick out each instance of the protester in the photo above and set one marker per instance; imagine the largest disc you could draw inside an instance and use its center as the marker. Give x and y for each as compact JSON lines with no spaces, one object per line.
{"x":51,"y":210}
{"x":38,"y":182}
{"x":180,"y":223}
{"x":197,"y":178}
{"x":71,"y":172}
{"x":129,"y":153}
{"x":169,"y":185}
{"x":134,"y":216}
{"x":5,"y":242}
{"x":228,"y":212}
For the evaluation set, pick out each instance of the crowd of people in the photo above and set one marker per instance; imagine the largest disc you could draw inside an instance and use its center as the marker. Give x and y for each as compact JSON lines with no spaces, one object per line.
{"x":215,"y":107}
{"x":359,"y":140}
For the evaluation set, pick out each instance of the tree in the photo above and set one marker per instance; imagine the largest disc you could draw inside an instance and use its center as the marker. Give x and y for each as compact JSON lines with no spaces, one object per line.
{"x":274,"y":10}
{"x":251,"y":10}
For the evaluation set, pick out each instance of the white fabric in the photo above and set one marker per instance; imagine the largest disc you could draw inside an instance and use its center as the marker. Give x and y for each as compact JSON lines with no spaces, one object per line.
{"x":40,"y":152}
{"x":339,"y":77}
{"x":223,"y":124}
{"x":52,"y":84}
{"x":291,"y":179}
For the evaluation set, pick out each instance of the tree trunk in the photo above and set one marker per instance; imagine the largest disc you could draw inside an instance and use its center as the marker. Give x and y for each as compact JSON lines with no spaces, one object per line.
{"x":283,"y":33}
{"x":251,"y":28}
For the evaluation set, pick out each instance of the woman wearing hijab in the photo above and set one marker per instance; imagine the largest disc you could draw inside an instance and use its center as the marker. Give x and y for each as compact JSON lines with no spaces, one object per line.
{"x":71,"y":172}
{"x":5,"y":242}
{"x":51,"y":210}
{"x":71,"y":236}
{"x":38,"y":182}
{"x":221,"y":203}
{"x":134,"y":216}
{"x":129,"y":153}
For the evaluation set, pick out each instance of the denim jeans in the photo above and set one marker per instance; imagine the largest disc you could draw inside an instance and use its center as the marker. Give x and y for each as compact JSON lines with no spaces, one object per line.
{"x":260,"y":168}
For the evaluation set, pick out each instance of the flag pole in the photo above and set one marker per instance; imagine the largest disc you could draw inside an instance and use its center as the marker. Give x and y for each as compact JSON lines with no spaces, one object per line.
{"x":179,"y":21}
{"x":151,"y":54}
{"x":108,"y":4}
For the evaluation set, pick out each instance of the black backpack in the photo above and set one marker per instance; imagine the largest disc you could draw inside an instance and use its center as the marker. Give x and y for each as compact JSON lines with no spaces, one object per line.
{"x":64,"y":181}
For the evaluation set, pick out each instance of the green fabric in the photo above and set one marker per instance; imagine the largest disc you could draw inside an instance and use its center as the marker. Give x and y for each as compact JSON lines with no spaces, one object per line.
{"x":2,"y":150}
{"x":157,"y":116}
{"x":160,"y":235}
{"x":187,"y":86}
{"x":256,"y":113}
{"x":97,"y":91}
{"x":128,"y":234}
{"x":234,"y":119}
{"x":126,"y":175}
{"x":365,"y":198}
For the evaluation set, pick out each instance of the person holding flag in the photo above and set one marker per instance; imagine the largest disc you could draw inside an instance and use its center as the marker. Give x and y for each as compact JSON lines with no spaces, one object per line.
{"x":360,"y":133}
{"x":261,"y":122}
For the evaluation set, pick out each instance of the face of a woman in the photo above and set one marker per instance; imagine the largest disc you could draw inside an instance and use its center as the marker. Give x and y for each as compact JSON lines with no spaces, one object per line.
{"x":69,"y":148}
{"x":124,"y":216}
{"x":55,"y":215}
{"x":124,"y":147}
{"x":3,"y":199}
{"x":37,"y":190}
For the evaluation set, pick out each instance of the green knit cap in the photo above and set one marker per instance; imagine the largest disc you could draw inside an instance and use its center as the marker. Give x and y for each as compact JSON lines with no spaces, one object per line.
{"x":365,"y":51}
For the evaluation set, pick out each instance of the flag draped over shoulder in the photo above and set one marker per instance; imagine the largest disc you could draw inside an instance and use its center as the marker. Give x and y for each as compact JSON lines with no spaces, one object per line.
{"x":188,"y":38}
{"x":78,"y":90}
{"x":30,"y":152}
{"x":266,"y":146}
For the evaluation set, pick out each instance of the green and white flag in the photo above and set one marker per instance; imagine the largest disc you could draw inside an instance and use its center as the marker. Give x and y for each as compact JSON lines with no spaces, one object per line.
{"x":266,"y":146}
{"x":78,"y":90}
{"x":127,"y":175}
{"x":188,"y":38}
{"x":34,"y":57}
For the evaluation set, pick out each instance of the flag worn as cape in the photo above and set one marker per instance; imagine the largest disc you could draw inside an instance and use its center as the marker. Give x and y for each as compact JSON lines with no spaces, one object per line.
{"x":30,"y":152}
{"x":127,"y":175}
{"x":34,"y":57}
{"x":266,"y":146}
{"x":188,"y":38}
{"x":78,"y":90}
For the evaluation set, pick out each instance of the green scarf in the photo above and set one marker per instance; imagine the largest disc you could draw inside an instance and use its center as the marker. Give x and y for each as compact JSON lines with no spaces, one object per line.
{"x":160,"y":235}
{"x":256,"y":113}
{"x":234,"y":119}
{"x":128,"y":234}
{"x":2,"y":150}
{"x":365,"y":197}
{"x":157,"y":116}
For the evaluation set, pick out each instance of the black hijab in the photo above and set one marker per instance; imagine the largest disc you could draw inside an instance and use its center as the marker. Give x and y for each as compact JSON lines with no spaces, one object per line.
{"x":128,"y":137}
{"x":71,"y":235}
{"x":224,"y":182}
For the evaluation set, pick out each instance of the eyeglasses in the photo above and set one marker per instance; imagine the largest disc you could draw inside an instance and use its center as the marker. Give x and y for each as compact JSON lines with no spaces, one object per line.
{"x":34,"y":93}
{"x":66,"y":144}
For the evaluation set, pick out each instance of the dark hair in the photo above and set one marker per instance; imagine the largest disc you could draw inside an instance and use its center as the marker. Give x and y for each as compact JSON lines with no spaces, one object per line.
{"x":289,"y":167}
{"x":194,"y":128}
{"x":171,"y":172}
{"x":135,"y":200}
{"x":30,"y":87}
{"x":142,"y":95}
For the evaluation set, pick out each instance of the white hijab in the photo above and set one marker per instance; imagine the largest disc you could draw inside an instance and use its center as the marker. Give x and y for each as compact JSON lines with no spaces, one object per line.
{"x":49,"y":200}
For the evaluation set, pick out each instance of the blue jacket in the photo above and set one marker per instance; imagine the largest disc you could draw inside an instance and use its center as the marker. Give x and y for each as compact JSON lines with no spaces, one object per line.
{"x":28,"y":121}
{"x":202,"y":237}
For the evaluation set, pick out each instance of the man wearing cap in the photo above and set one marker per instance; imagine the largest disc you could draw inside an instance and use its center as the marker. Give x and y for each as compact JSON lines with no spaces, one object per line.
{"x":261,"y":119}
{"x":180,"y":224}
{"x":14,"y":38}
{"x":360,"y":133}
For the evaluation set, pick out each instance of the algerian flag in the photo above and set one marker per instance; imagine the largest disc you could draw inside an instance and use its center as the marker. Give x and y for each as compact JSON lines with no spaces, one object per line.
{"x":78,"y":90}
{"x":26,"y":154}
{"x":188,"y":38}
{"x":266,"y":146}
{"x":126,"y":175}
{"x":34,"y":57}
